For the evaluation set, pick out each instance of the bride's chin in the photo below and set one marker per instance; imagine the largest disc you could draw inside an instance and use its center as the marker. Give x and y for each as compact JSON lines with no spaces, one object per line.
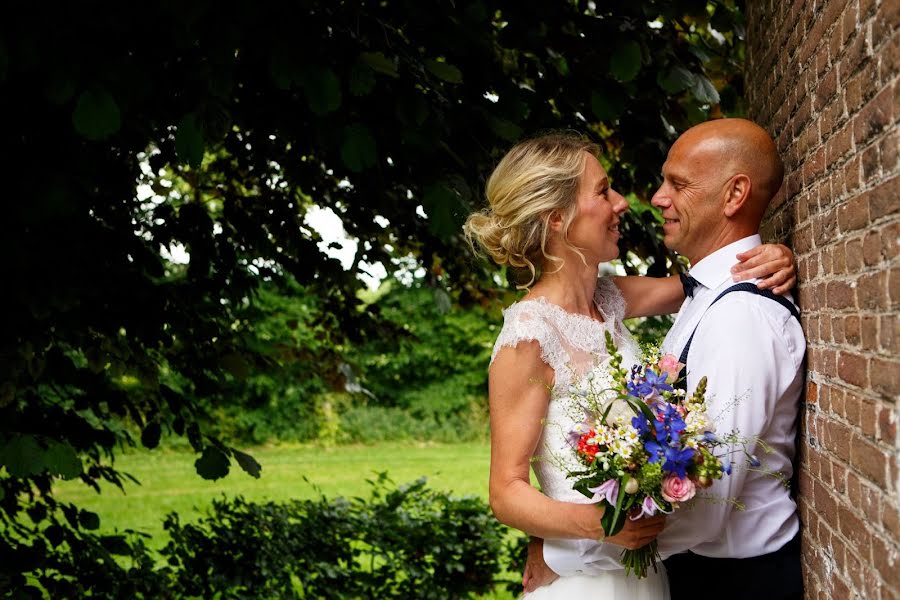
{"x":612,"y":255}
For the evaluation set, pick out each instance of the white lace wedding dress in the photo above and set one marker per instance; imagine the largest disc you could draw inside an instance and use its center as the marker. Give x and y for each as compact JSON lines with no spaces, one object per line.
{"x":575,"y":347}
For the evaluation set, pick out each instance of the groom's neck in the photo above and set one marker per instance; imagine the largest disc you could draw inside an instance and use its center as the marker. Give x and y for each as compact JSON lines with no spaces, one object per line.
{"x":719,"y":240}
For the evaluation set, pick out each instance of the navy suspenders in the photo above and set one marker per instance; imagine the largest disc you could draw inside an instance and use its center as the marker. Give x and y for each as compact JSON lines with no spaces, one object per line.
{"x":740,"y":287}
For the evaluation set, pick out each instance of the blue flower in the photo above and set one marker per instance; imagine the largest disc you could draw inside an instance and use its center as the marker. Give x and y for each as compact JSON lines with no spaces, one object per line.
{"x":668,"y":429}
{"x":754,"y":462}
{"x":658,"y":381}
{"x":640,"y":425}
{"x":661,"y":431}
{"x":655,"y":451}
{"x":651,"y":383}
{"x":727,"y":468}
{"x":678,"y":460}
{"x":638,"y":389}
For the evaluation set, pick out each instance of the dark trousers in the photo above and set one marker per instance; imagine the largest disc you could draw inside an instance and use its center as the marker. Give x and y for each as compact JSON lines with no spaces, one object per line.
{"x":775,"y":576}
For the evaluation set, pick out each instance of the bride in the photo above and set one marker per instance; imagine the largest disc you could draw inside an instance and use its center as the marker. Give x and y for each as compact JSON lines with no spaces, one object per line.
{"x":553,"y":212}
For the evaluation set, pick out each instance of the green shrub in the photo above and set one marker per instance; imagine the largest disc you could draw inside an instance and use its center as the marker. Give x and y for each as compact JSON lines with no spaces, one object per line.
{"x":408,"y":542}
{"x":379,"y":423}
{"x":75,"y":562}
{"x":288,"y":414}
{"x":425,"y":346}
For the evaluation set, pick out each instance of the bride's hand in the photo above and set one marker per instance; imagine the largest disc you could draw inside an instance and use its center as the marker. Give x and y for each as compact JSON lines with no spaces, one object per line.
{"x":635,"y":534}
{"x":772,"y":263}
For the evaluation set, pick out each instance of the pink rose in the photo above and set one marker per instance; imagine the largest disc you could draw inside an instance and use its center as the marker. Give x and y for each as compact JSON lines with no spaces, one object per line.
{"x":669,"y":365}
{"x":676,"y":489}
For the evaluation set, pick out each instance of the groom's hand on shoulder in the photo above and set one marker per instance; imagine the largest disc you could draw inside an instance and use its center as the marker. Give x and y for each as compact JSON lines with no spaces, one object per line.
{"x":773,"y":264}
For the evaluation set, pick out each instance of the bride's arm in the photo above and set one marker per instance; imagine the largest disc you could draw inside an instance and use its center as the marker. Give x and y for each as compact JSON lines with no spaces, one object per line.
{"x":518,"y":383}
{"x":646,"y":296}
{"x":518,"y":402}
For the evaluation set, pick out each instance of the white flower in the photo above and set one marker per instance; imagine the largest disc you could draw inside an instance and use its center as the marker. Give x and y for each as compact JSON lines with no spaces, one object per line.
{"x":631,"y":435}
{"x":697,"y":422}
{"x":621,"y":448}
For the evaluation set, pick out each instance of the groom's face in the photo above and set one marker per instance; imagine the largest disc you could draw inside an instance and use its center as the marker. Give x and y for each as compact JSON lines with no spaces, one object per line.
{"x":688,"y":198}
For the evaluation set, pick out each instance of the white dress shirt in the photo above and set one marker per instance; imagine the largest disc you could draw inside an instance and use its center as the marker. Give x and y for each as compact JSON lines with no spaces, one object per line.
{"x":751,"y":350}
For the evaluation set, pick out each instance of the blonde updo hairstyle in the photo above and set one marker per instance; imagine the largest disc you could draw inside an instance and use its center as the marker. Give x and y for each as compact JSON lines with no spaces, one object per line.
{"x":536,"y":178}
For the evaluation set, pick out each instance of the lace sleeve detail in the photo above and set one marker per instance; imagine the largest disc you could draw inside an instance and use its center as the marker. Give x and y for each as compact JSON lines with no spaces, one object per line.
{"x":612,"y":304}
{"x":523,"y":323}
{"x":609,"y":299}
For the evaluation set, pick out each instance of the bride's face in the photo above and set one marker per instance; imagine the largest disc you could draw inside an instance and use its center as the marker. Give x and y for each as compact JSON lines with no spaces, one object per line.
{"x":595,"y":228}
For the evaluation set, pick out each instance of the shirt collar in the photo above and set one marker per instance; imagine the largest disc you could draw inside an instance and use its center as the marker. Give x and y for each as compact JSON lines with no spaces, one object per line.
{"x":713,"y":270}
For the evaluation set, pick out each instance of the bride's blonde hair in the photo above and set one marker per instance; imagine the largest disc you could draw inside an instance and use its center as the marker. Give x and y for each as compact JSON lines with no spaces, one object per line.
{"x":536,"y":178}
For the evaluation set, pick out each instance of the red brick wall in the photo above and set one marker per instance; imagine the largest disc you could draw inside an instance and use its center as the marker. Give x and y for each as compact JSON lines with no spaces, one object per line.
{"x":822,"y":78}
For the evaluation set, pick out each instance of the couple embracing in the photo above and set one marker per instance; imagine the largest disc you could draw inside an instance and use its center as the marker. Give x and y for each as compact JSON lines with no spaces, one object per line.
{"x":552,"y":211}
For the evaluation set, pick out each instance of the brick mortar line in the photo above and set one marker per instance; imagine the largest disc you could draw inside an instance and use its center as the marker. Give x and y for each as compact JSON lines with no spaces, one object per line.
{"x":835,"y":532}
{"x":846,"y":502}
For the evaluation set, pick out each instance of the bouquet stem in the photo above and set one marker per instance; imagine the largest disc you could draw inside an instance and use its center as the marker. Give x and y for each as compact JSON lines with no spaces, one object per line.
{"x":636,"y":561}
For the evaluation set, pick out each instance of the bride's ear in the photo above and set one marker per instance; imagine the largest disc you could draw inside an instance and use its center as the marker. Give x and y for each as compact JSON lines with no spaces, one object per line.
{"x":555,"y":221}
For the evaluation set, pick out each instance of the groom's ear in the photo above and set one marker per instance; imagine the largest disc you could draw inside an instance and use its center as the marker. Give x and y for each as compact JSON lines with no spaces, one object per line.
{"x":737,"y":192}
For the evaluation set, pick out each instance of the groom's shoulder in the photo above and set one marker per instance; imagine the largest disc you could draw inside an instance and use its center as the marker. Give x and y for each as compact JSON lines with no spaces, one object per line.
{"x":750,"y":316}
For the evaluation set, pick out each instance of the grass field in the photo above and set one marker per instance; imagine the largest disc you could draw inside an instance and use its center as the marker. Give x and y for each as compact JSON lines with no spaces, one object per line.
{"x":169,"y":482}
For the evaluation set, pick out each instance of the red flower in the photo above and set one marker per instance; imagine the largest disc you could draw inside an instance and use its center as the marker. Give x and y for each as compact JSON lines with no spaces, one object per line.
{"x":588,"y":451}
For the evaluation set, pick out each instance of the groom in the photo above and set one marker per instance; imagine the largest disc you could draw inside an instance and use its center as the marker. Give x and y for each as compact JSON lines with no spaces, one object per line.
{"x":718,"y":180}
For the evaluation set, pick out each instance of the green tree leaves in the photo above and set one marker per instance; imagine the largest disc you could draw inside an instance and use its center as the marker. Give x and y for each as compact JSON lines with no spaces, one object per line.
{"x":151,"y":434}
{"x":625,"y":62}
{"x":676,"y":79}
{"x":96,"y":115}
{"x":379,"y":63}
{"x":89,"y":520}
{"x":704,"y":90}
{"x":443,"y":70}
{"x":358,"y":148}
{"x":213,"y":464}
{"x":247,"y":463}
{"x":362,"y":80}
{"x":607,"y":103}
{"x":22,"y":456}
{"x":442,"y":205}
{"x":26,"y":455}
{"x":322,"y":89}
{"x":189,"y":141}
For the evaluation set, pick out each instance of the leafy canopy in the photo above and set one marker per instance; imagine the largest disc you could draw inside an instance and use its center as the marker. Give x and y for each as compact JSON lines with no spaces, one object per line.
{"x":237,"y":118}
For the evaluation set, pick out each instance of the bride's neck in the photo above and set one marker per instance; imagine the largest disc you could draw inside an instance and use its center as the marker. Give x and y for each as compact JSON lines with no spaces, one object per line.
{"x":571,"y":287}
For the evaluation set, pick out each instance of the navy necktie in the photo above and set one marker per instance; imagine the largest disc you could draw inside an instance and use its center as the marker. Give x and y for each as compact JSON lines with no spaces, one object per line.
{"x":688,"y":283}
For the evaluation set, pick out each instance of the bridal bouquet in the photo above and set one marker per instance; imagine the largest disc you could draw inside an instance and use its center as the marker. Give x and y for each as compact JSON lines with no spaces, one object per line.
{"x":644,"y":446}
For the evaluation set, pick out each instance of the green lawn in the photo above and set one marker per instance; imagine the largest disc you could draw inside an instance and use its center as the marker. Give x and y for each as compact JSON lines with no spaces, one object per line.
{"x":169,"y":482}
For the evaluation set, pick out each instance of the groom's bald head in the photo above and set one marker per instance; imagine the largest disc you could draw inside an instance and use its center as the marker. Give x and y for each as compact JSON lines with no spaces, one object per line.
{"x":740,"y":146}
